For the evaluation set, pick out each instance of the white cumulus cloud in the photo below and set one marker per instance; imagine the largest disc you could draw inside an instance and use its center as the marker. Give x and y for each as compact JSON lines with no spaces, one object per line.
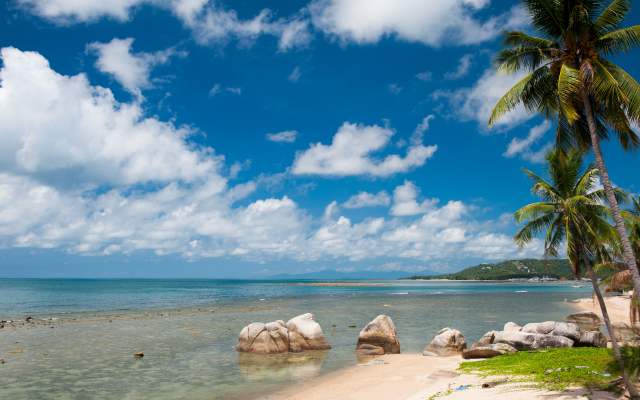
{"x":464,"y":65}
{"x":432,"y":22}
{"x":404,"y":201}
{"x":351,"y":153}
{"x":477,"y":102}
{"x":522,"y":147}
{"x":364,"y":199}
{"x":285,"y":136}
{"x":131,"y":70}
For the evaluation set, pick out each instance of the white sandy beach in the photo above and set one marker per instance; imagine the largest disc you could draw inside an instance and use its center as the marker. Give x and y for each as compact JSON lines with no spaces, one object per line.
{"x":411,"y":376}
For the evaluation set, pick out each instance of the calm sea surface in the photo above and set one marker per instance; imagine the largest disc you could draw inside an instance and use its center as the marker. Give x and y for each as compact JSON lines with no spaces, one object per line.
{"x":89,"y":359}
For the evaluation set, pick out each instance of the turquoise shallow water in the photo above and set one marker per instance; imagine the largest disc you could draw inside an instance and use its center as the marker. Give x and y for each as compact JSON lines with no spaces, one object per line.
{"x":81,"y":364}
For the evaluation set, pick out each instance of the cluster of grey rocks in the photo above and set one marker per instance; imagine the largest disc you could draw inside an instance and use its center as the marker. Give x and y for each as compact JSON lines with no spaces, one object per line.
{"x":379,"y":337}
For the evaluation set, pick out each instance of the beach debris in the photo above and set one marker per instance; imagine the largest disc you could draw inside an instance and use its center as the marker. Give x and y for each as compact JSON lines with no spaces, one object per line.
{"x":448,"y":342}
{"x":380,"y":333}
{"x":334,"y":325}
{"x":485,"y":340}
{"x":462,"y":388}
{"x":352,"y":326}
{"x":15,"y":351}
{"x":139,"y":355}
{"x":512,"y":327}
{"x":584,"y":317}
{"x":491,"y":384}
{"x":298,"y":334}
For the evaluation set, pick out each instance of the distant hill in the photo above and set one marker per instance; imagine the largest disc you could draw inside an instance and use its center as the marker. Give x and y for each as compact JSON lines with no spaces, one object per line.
{"x":504,"y":270}
{"x":337,"y":275}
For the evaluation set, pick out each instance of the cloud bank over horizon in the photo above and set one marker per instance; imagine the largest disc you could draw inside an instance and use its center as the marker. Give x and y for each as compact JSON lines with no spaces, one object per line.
{"x":90,"y":175}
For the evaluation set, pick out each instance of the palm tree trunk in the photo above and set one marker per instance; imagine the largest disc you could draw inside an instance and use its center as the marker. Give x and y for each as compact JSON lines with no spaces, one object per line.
{"x":611,"y":198}
{"x":605,"y":316}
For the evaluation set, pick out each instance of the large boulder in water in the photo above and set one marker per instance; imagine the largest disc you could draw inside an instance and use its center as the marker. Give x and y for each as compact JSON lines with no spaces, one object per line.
{"x":307,"y":327}
{"x":570,"y":331}
{"x":378,"y":334}
{"x":276,"y":337}
{"x":531,"y":341}
{"x":584,"y":317}
{"x":448,"y":342}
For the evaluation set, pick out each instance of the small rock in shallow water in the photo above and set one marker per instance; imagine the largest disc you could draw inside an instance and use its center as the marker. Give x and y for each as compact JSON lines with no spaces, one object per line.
{"x":352,"y":326}
{"x":139,"y":355}
{"x":15,"y":351}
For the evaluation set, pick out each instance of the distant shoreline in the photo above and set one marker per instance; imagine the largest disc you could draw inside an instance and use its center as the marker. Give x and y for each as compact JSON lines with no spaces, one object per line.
{"x":350,"y":284}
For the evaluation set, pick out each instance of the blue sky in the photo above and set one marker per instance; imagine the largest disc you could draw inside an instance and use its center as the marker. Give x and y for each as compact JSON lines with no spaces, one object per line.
{"x":195,"y":138}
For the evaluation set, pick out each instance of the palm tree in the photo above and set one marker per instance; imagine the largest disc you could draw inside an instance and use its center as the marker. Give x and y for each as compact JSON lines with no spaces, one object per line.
{"x":571,"y":80}
{"x":571,"y":212}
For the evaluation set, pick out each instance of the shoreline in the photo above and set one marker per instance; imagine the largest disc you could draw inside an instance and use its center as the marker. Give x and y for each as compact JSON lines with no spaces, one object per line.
{"x":617,"y":307}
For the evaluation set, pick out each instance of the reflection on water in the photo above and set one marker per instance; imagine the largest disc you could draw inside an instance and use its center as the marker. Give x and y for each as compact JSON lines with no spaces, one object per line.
{"x":284,"y":366}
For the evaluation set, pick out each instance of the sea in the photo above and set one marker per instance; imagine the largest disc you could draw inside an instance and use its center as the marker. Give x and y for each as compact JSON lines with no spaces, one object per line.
{"x":100,"y":324}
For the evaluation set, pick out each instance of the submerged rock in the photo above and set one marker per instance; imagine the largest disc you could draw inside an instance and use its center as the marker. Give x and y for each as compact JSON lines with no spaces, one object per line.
{"x":139,"y":355}
{"x":299,"y":334}
{"x":584,"y":317}
{"x":448,"y":342}
{"x":370,"y":350}
{"x":380,"y":333}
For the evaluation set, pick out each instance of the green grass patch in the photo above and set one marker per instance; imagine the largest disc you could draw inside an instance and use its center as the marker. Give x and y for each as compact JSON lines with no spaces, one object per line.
{"x":530,"y":367}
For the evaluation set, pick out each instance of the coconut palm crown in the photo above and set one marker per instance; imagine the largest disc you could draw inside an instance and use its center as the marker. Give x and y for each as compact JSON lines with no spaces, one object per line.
{"x":570,"y":78}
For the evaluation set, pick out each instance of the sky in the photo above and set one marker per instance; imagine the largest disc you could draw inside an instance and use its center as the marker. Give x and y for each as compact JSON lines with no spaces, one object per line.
{"x":242,"y":139}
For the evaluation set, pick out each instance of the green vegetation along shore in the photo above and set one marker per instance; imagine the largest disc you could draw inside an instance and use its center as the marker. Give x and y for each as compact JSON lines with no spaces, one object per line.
{"x":509,"y":269}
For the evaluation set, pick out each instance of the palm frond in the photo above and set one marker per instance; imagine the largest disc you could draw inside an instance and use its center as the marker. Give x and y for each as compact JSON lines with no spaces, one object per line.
{"x":569,"y":80}
{"x":612,"y":17}
{"x":619,"y":42}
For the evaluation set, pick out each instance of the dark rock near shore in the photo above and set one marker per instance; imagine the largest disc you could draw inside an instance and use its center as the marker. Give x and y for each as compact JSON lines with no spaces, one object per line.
{"x":592,"y":339}
{"x":481,"y":352}
{"x":584,"y":317}
{"x":139,"y":355}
